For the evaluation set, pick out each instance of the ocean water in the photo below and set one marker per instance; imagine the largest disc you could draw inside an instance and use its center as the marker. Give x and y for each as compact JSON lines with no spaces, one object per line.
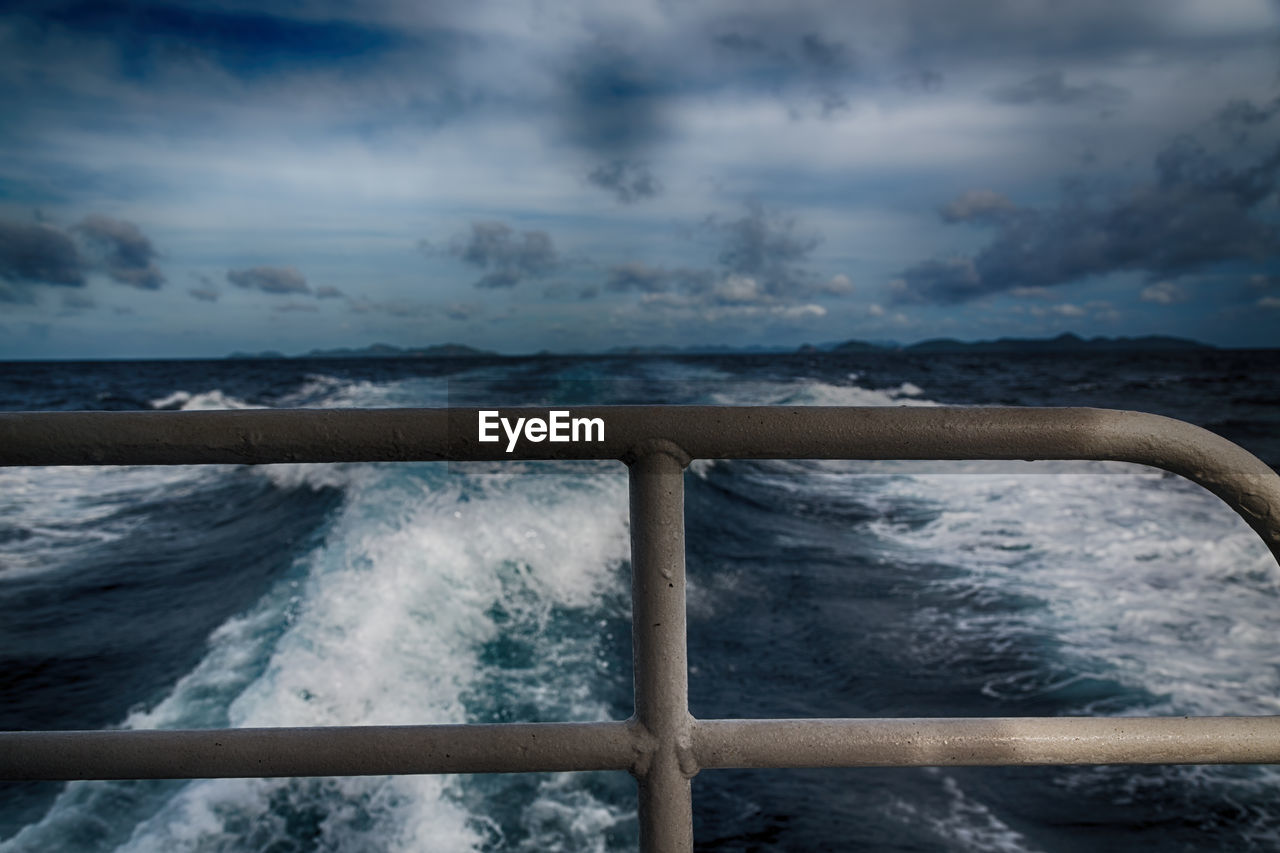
{"x":212,"y":596}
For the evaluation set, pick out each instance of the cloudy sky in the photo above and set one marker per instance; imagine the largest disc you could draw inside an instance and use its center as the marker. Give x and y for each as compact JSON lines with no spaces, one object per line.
{"x":190,"y":179}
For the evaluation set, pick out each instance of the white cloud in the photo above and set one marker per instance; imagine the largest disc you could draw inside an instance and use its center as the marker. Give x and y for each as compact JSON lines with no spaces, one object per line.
{"x":1065,"y":309}
{"x":838,"y":285}
{"x":739,"y":289}
{"x":1164,"y":293}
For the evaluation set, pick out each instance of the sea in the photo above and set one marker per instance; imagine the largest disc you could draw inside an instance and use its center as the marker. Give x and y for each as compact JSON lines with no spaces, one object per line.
{"x":354,"y":594}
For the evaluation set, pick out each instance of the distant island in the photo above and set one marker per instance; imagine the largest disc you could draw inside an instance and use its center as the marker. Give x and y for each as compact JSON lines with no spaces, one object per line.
{"x":1064,"y":343}
{"x":375,"y":351}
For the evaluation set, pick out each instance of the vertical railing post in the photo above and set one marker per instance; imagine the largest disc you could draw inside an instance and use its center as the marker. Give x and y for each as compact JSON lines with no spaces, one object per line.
{"x":660,"y":653}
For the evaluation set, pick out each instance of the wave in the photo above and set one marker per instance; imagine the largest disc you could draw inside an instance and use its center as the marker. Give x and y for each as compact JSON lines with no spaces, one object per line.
{"x":431,"y":588}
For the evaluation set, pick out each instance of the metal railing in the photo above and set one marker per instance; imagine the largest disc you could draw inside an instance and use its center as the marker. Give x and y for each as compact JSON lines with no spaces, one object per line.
{"x":662,"y":745}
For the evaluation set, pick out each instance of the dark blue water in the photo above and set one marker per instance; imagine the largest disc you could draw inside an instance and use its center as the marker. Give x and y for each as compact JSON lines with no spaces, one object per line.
{"x":369,"y":594}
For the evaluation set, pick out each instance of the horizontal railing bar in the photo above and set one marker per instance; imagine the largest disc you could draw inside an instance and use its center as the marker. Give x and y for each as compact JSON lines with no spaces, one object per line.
{"x":708,"y":432}
{"x":336,"y":751}
{"x":990,"y":741}
{"x":716,"y":744}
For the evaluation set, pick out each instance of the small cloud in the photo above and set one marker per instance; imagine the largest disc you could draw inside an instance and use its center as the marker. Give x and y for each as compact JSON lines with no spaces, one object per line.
{"x":738,"y":290}
{"x":838,"y":285}
{"x":326,"y":291}
{"x":75,"y":301}
{"x":828,"y":64}
{"x":1065,"y":309}
{"x":207,"y":291}
{"x":977,"y":206}
{"x":828,"y":57}
{"x":1269,"y":302}
{"x":275,"y":280}
{"x":463,"y":311}
{"x":638,"y":276}
{"x":796,"y":312}
{"x":1164,"y":293}
{"x":1032,"y":292}
{"x":127,"y":253}
{"x":628,"y":180}
{"x":510,"y":258}
{"x":588,"y":292}
{"x":874,"y":310}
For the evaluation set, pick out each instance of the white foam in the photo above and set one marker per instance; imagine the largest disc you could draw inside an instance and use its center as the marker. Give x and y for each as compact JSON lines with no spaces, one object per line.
{"x":204,"y":401}
{"x":386,"y":629}
{"x":810,"y":392}
{"x":1146,"y":574}
{"x":328,"y":392}
{"x":966,"y":824}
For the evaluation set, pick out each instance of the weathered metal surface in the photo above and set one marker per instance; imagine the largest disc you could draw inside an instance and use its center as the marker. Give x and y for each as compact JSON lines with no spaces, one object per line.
{"x":986,"y":741}
{"x":709,"y":432}
{"x":707,"y":745}
{"x":336,"y":751}
{"x":660,"y":653}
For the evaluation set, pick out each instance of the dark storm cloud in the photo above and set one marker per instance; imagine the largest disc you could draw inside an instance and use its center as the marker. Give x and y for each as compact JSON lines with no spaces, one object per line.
{"x":1051,"y":87}
{"x":615,"y":104}
{"x":247,"y":43}
{"x":125,"y":253}
{"x":36,"y":253}
{"x":1196,"y":213}
{"x":275,"y":280}
{"x":628,"y":180}
{"x":507,"y":257}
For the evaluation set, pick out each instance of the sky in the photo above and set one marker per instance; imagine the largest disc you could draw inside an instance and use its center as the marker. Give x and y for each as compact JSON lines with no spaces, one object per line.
{"x":189,"y":179}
